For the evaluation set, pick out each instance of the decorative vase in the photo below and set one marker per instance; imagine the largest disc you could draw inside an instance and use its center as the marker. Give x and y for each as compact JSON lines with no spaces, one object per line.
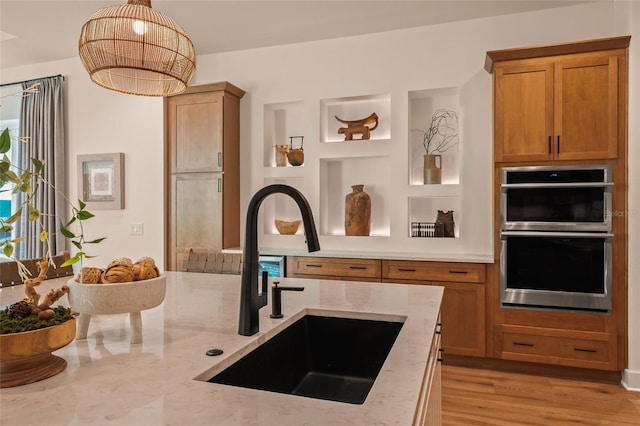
{"x":357,"y":212}
{"x":296,"y":155}
{"x":445,"y":226}
{"x":432,"y":171}
{"x":281,"y":155}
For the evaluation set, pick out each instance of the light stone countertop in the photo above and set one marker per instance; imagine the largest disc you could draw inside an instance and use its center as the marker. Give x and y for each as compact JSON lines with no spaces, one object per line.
{"x":109,"y":381}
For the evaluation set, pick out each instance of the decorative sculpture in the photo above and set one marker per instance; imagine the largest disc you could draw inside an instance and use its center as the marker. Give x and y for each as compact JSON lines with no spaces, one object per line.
{"x":355,"y":127}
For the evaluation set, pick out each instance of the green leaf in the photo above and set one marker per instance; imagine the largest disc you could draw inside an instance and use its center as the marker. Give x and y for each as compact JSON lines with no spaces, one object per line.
{"x":66,"y":232}
{"x":14,"y":217}
{"x":96,"y":241}
{"x":77,"y":244}
{"x":5,"y":141}
{"x":8,"y":250}
{"x":75,"y":259}
{"x":81,"y":204}
{"x":34,"y":213}
{"x":5,"y":228}
{"x":73,"y":219}
{"x":84,"y":215}
{"x":17,"y":240}
{"x":43,"y":236}
{"x":39,"y":165}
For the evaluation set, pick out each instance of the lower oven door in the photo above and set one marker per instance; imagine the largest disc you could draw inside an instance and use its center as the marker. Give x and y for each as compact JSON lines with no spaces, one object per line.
{"x":561,"y":270}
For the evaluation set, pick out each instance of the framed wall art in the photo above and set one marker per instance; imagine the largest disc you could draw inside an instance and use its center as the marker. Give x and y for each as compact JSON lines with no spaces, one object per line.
{"x":101,"y":181}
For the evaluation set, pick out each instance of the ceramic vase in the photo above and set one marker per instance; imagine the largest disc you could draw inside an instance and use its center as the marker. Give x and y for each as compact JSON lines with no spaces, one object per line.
{"x":357,"y":212}
{"x":432,"y":171}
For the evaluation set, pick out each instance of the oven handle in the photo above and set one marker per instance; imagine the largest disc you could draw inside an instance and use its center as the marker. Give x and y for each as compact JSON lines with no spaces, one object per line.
{"x":607,"y":185}
{"x":556,"y":234}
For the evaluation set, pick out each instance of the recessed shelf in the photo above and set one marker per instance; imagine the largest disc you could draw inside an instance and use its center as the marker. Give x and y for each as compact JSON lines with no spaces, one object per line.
{"x":425,"y":210}
{"x":354,"y":108}
{"x":281,"y":121}
{"x":337,"y":175}
{"x":422,"y":105}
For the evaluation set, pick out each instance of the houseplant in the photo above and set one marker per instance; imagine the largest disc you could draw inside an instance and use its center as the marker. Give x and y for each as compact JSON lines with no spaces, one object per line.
{"x":30,"y":330}
{"x":440,"y":136}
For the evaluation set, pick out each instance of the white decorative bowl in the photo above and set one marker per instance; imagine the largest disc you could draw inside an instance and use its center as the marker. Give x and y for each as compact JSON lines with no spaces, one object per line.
{"x":116,"y":298}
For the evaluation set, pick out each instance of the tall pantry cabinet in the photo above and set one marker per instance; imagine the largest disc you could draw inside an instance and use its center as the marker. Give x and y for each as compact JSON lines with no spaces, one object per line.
{"x":202,"y":163}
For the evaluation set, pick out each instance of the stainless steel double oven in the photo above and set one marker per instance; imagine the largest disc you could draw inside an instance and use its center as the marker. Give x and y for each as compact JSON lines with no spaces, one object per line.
{"x":555,"y":237}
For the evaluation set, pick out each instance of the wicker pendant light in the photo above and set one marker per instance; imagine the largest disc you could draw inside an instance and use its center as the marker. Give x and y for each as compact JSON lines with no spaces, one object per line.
{"x":133,"y":49}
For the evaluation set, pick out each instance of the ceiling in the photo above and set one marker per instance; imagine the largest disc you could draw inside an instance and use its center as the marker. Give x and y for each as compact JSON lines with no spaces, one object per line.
{"x":48,"y":30}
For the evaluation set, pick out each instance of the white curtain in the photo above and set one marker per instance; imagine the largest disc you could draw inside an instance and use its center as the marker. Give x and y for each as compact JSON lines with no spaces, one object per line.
{"x":42,"y":123}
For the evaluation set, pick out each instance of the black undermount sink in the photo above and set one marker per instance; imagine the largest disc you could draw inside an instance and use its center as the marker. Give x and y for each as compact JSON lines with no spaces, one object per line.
{"x":321,"y":357}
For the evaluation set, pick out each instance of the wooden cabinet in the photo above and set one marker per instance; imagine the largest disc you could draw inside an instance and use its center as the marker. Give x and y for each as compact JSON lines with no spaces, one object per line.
{"x":202,"y":180}
{"x":463,"y":303}
{"x":562,"y":104}
{"x":559,"y":107}
{"x":329,"y":268}
{"x":429,"y":408}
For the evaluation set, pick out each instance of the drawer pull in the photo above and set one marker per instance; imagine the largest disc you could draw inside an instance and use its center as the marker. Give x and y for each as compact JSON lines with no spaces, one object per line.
{"x":313,"y":265}
{"x":523,"y":344}
{"x":585,"y":350}
{"x":358,"y":267}
{"x":406,"y":270}
{"x":453,"y":271}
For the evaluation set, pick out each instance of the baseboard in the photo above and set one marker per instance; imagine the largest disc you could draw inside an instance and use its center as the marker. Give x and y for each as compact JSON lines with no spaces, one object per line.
{"x":631,"y":380}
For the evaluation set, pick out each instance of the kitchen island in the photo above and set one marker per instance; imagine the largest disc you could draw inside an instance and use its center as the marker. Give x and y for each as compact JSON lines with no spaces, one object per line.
{"x":110,"y":381}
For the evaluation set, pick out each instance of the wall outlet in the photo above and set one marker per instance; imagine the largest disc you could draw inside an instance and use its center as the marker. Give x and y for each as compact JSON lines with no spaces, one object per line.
{"x":136,"y":229}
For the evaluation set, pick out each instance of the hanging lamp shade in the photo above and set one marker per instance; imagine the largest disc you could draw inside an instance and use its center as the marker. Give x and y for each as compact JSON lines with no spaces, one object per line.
{"x":133,"y":49}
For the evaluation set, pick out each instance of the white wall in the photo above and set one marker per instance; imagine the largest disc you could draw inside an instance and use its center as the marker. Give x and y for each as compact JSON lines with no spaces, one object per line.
{"x":394,"y":62}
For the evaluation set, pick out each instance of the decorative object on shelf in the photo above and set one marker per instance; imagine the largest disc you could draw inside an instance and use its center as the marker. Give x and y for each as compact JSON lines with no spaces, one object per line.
{"x":432,"y":169}
{"x":136,"y":50}
{"x":285,"y":227}
{"x":281,"y":155}
{"x":357,"y":212}
{"x":441,"y":136}
{"x":445,"y":226}
{"x":296,"y":155}
{"x":423,"y":229}
{"x":358,"y":127}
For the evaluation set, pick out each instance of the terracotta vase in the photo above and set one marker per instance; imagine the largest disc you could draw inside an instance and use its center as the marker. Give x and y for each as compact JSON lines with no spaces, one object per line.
{"x":357,"y":212}
{"x":432,"y":171}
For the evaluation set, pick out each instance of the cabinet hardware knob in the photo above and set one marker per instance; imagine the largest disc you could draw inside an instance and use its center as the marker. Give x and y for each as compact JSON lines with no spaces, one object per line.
{"x":406,"y":270}
{"x":220,"y":159}
{"x":357,"y":267}
{"x":313,"y":265}
{"x":585,"y":350}
{"x":219,"y":185}
{"x":440,"y":360}
{"x":451,"y":271}
{"x":523,"y":344}
{"x":558,"y":145}
{"x":550,"y":151}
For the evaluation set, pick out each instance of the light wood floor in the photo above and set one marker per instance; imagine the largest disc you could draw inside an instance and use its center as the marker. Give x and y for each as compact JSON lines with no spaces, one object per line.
{"x":495,"y":395}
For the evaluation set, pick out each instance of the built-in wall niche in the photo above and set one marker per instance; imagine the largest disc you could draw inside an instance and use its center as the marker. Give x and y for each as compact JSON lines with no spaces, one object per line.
{"x":355,"y":108}
{"x":281,"y":206}
{"x":338,"y":175}
{"x":423,"y":211}
{"x":422,"y":106}
{"x":281,"y":121}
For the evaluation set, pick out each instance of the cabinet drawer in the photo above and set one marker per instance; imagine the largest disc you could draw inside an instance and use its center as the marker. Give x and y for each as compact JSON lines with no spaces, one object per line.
{"x":433,"y":271}
{"x":346,"y":268}
{"x":595,"y":351}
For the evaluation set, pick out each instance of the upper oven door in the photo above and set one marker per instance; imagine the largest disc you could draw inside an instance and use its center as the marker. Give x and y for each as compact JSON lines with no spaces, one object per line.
{"x":556,"y":198}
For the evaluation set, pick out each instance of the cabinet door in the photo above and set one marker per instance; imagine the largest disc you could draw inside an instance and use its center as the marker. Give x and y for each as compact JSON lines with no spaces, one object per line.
{"x":586,"y":107}
{"x":197,"y":214}
{"x":463,"y":318}
{"x":195,"y":132}
{"x":523,"y":112}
